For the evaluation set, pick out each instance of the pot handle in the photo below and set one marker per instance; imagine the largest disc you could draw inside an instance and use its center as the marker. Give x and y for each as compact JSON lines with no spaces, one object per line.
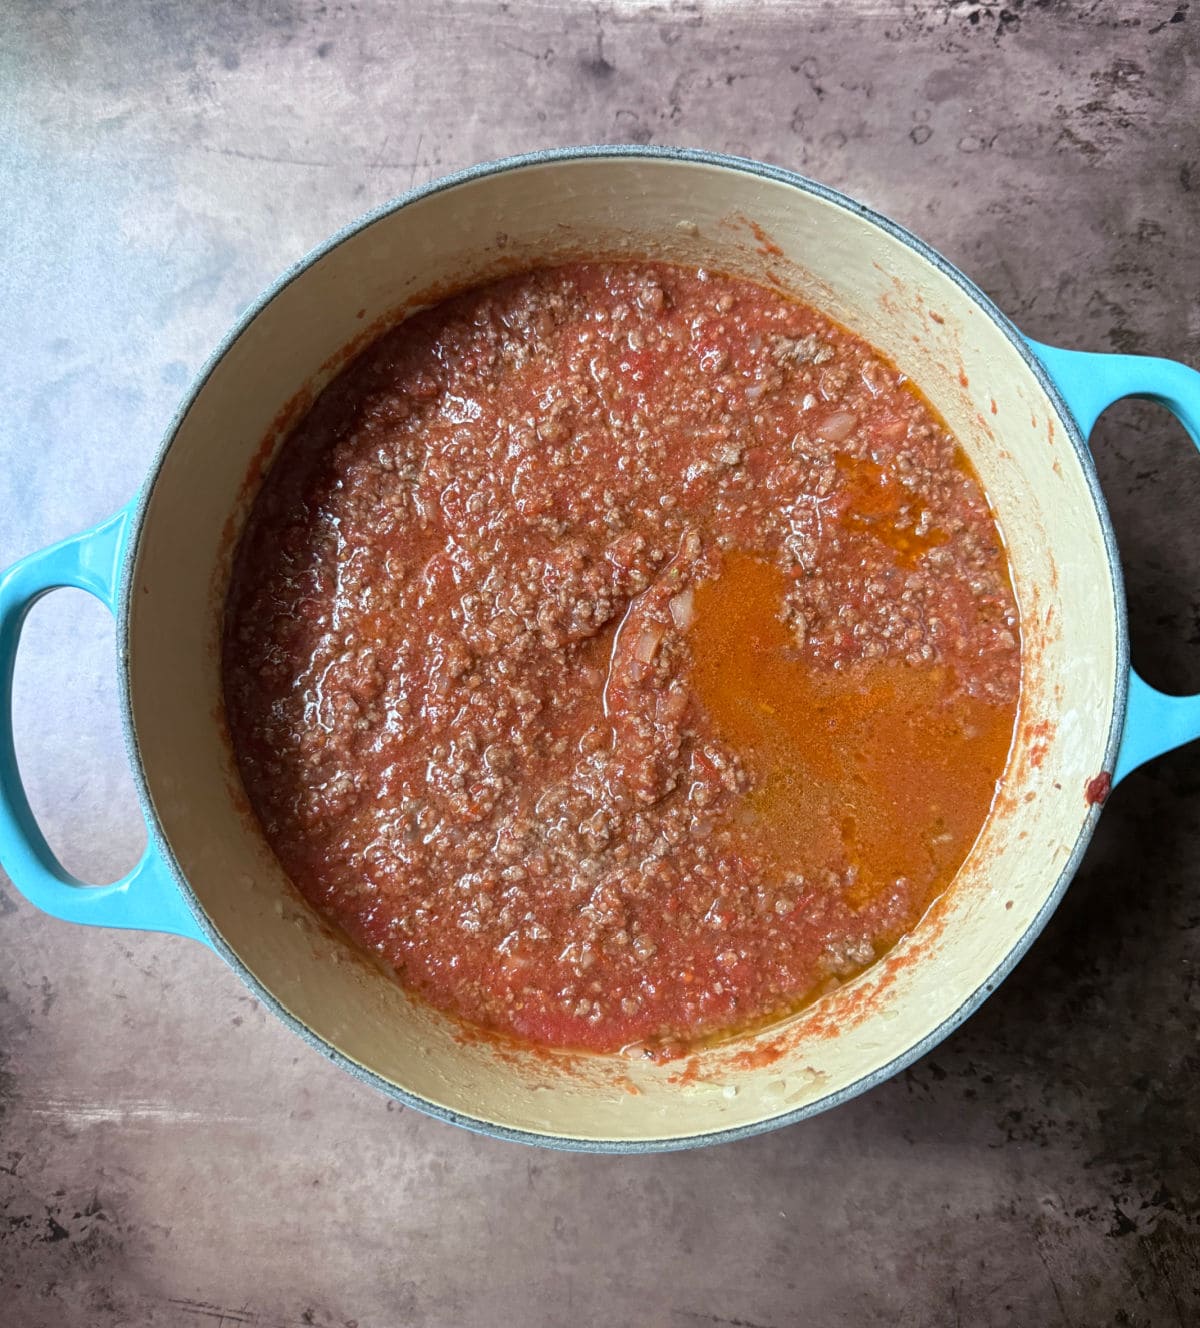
{"x":147,"y":898}
{"x":1154,"y":722}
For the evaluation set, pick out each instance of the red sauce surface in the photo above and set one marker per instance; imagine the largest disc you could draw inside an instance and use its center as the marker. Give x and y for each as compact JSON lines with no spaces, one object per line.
{"x":625,"y":653}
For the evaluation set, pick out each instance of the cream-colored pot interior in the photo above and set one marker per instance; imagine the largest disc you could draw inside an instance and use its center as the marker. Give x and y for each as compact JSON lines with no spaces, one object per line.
{"x":703,"y":212}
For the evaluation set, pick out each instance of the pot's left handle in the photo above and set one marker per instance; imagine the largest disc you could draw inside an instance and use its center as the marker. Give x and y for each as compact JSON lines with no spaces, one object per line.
{"x":147,"y":898}
{"x":1090,"y":382}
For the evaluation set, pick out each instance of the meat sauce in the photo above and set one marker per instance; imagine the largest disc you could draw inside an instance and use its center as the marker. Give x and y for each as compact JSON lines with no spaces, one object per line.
{"x":624,"y":653}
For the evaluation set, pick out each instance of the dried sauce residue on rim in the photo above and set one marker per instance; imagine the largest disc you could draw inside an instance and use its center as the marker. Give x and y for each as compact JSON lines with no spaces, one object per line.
{"x":625,"y":654}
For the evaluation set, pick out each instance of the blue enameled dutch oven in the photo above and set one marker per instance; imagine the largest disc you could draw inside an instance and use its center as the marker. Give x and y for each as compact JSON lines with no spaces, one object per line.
{"x":1023,"y":413}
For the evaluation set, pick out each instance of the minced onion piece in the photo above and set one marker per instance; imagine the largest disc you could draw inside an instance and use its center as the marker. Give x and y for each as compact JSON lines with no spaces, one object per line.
{"x":837,"y":427}
{"x":648,"y":642}
{"x":683,"y":609}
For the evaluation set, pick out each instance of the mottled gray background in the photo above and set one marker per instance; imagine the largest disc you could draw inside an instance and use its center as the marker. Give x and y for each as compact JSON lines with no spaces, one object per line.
{"x":170,"y":1155}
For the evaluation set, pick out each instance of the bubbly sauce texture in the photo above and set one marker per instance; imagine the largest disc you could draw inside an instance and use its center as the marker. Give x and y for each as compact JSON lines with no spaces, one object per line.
{"x":625,"y":653}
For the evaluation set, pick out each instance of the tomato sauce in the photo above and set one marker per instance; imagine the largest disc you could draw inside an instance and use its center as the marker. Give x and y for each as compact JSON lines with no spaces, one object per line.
{"x":625,"y":653}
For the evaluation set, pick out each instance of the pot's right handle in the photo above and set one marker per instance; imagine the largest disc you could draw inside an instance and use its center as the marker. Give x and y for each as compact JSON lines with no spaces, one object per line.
{"x":147,"y":899}
{"x":1154,"y":722}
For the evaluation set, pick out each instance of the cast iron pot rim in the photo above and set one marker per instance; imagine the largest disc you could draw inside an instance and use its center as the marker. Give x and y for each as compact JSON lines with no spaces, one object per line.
{"x":691,"y":156}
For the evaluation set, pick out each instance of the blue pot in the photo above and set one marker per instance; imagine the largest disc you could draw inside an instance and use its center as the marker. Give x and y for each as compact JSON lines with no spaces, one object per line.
{"x":1022,"y":411}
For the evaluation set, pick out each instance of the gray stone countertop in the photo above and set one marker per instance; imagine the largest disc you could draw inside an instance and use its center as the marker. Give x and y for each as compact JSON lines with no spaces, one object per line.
{"x":169,"y":1153}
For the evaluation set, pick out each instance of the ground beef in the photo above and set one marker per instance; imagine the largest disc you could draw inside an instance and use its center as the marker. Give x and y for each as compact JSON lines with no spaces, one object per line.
{"x":467,"y":667}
